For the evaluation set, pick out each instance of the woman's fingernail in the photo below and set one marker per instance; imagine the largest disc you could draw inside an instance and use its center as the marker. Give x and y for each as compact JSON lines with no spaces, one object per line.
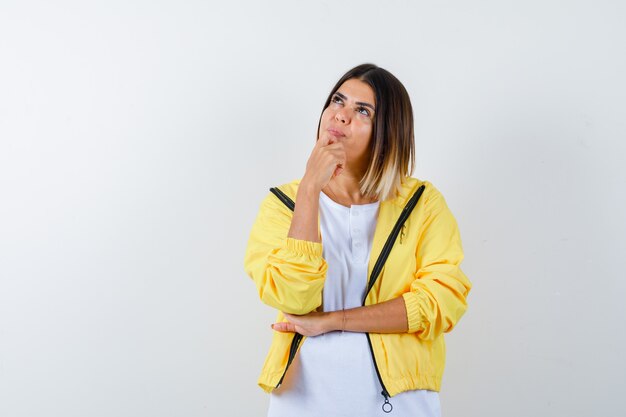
{"x":272,"y":326}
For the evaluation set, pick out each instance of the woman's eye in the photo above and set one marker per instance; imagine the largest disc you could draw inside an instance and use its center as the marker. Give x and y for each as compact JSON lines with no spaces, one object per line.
{"x":363,"y":111}
{"x":336,"y":99}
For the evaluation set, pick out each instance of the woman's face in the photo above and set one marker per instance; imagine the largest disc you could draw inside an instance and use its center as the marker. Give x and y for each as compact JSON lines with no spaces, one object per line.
{"x":350,"y":119}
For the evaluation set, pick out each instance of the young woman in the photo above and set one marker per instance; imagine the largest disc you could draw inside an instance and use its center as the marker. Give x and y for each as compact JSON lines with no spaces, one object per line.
{"x":362,"y":262}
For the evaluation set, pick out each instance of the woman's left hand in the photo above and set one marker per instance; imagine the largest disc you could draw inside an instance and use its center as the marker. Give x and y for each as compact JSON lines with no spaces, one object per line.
{"x":311,"y":324}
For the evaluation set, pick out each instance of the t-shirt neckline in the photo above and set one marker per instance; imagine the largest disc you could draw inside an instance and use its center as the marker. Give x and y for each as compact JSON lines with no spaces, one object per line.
{"x":359,"y":207}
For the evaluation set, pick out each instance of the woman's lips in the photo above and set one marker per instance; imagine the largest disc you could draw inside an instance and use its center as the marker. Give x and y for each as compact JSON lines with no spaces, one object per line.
{"x":336,"y":132}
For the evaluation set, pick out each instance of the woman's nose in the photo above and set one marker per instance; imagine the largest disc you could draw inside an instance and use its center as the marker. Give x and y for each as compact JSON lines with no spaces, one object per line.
{"x":341,"y":117}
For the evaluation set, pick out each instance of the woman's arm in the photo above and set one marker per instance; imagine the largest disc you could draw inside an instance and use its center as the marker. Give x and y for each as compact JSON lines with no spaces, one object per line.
{"x":304,"y":225}
{"x":386,"y":317}
{"x":284,"y":252}
{"x":289,"y":273}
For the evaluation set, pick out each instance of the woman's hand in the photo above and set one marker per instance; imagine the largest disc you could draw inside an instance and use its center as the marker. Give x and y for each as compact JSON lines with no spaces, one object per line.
{"x":312,"y":324}
{"x":326,"y":161}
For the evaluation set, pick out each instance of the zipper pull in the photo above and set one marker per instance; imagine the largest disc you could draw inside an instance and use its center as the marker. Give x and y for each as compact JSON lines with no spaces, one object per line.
{"x":387,"y":407}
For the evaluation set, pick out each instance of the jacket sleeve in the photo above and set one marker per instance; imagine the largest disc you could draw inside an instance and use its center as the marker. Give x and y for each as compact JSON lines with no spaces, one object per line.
{"x":438,"y":294}
{"x":289,"y":273}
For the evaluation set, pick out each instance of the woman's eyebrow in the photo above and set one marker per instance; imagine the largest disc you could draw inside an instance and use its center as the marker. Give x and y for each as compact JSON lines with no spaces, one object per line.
{"x":360,"y":103}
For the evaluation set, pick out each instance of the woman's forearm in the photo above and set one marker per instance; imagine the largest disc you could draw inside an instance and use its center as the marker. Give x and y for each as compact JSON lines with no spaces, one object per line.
{"x":385,"y":317}
{"x":304,"y":224}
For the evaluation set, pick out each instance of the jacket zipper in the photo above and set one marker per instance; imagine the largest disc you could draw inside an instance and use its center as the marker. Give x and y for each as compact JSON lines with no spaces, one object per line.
{"x":387,"y":406}
{"x":292,"y":353}
{"x":378,"y":266}
{"x":284,"y":198}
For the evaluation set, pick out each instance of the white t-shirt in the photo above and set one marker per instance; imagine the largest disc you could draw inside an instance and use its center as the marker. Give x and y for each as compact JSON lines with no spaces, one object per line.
{"x":333,"y":374}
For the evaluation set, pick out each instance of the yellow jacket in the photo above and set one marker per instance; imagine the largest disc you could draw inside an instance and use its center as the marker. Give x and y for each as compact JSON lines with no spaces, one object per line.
{"x":423,"y":267}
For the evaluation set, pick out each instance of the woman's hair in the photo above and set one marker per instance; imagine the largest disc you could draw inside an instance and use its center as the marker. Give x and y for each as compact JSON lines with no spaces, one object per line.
{"x":392,"y":146}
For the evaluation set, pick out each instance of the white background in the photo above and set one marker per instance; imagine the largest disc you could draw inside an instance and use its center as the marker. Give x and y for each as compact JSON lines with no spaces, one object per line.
{"x":137,"y":140}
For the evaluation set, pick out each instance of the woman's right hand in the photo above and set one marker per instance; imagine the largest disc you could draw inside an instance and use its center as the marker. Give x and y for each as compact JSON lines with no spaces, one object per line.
{"x":326,"y":161}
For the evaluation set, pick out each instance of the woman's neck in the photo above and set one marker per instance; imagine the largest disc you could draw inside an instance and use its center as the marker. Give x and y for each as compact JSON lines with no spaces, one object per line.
{"x":345,"y":188}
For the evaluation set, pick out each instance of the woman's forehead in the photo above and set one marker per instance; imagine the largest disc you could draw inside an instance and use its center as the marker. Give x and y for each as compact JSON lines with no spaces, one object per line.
{"x":357,"y":90}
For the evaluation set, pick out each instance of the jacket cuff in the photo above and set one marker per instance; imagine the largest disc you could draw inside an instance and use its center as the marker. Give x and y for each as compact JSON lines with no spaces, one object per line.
{"x":415,"y":318}
{"x":304,"y":246}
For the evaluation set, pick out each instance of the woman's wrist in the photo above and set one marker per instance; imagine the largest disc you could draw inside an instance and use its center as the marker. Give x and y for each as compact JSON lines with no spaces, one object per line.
{"x":335,"y":321}
{"x":309,"y":186}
